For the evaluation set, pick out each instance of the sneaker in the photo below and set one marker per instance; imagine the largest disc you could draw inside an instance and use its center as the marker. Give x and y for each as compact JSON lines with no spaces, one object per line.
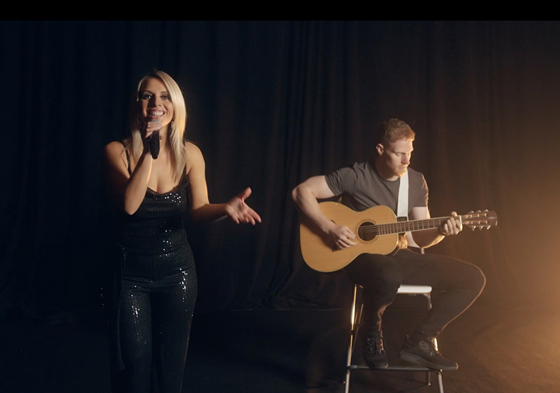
{"x":426,"y":353}
{"x":374,"y":352}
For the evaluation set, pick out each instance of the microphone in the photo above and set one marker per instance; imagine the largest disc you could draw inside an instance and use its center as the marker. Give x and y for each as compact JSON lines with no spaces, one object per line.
{"x":154,"y":142}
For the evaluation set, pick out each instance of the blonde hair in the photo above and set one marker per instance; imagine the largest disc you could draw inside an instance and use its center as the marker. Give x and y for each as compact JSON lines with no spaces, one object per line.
{"x":177,"y":126}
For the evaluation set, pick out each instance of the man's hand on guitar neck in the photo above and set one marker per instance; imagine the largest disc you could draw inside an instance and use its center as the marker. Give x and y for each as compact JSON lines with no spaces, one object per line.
{"x":452,"y":226}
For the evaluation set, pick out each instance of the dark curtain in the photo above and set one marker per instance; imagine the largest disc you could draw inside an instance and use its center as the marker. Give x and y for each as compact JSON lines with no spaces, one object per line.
{"x":271,"y":103}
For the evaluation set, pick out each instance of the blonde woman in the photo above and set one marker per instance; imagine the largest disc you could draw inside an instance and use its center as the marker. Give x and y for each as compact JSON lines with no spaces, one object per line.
{"x":155,"y":285}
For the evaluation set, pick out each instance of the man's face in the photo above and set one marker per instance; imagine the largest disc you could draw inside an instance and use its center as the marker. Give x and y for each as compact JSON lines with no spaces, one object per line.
{"x":394,"y":157}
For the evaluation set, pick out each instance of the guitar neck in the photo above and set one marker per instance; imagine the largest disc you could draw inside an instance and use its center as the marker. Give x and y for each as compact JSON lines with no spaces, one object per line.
{"x":410,"y":226}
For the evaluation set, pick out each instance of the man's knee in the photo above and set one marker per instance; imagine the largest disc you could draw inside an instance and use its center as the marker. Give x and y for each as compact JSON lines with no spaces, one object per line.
{"x":390,"y":274}
{"x":476,"y":279}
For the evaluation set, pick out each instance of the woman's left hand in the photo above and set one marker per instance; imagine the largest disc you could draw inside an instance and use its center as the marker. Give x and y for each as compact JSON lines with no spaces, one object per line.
{"x":239,"y":211}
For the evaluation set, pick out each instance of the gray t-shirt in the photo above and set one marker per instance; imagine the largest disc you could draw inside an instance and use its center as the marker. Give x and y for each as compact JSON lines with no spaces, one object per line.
{"x":361,"y":187}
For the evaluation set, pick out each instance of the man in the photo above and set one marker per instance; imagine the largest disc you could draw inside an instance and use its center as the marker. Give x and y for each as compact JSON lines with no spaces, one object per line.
{"x":377,"y":182}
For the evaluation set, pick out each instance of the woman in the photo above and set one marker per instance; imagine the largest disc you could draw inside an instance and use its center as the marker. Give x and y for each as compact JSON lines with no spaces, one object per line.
{"x":155,"y":285}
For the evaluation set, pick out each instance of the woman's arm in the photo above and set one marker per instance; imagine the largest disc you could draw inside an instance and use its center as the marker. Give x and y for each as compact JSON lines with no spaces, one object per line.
{"x":126,"y":191}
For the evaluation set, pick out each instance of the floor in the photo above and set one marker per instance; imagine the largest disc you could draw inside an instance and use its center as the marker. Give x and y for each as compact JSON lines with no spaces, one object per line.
{"x":272,"y":351}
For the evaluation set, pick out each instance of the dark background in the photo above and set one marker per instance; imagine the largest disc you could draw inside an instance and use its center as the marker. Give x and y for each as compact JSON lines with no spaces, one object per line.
{"x":271,"y":103}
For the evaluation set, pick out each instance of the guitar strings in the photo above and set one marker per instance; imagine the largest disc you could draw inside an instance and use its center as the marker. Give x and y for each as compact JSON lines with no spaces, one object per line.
{"x":399,"y":227}
{"x":405,"y":226}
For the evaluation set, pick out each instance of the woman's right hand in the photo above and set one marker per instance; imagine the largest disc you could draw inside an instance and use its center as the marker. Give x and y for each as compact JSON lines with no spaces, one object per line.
{"x":150,"y":127}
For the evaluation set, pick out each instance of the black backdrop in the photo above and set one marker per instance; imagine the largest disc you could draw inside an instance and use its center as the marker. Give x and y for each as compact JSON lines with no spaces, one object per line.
{"x":271,"y":103}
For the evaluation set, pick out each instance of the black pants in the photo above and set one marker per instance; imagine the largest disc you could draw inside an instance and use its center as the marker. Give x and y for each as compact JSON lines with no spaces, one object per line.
{"x":155,"y":307}
{"x":381,"y":276}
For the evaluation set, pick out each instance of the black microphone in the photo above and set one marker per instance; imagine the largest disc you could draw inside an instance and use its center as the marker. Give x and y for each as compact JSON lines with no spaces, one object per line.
{"x":154,"y":143}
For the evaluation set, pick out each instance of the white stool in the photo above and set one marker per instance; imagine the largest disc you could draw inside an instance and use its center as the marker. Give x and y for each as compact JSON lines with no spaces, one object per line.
{"x":355,"y":318}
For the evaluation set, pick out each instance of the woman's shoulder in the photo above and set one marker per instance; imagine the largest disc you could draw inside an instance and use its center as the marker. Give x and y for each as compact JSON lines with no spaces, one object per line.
{"x":115,"y":148}
{"x":118,"y":144}
{"x":193,"y":157}
{"x":192,"y":150}
{"x":115,"y":145}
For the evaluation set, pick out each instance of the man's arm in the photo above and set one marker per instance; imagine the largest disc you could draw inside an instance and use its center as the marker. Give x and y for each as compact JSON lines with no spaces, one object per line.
{"x":306,"y":196}
{"x":431,"y":237}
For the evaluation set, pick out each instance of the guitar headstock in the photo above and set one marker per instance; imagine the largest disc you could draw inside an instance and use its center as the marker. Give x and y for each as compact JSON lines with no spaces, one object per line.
{"x":480,"y":219}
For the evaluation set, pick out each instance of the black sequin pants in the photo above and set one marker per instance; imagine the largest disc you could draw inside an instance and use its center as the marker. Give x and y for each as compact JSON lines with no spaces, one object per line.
{"x":156,"y":298}
{"x":381,"y":276}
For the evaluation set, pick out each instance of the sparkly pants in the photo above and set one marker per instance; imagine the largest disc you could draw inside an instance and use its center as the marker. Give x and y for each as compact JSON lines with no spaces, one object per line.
{"x":154,"y":311}
{"x":381,"y":276}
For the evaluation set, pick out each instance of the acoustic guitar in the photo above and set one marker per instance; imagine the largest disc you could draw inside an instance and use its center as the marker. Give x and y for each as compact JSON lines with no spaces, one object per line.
{"x":377,"y":230}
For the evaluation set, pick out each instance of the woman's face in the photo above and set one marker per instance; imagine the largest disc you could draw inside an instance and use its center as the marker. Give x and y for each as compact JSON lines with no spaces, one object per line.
{"x":155,"y":102}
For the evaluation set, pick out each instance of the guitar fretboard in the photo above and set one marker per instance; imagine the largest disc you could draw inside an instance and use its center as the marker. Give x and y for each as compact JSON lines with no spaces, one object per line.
{"x":402,"y":226}
{"x":410,"y":226}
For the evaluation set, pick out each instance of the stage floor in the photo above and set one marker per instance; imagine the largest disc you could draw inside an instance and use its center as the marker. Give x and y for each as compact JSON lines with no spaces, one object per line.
{"x":279,"y":351}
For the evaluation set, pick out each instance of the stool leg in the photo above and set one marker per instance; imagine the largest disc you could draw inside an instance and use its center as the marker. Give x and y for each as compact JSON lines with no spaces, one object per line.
{"x":347,"y":381}
{"x":349,"y":361}
{"x":440,"y":381}
{"x":354,"y":325}
{"x":439,"y":372}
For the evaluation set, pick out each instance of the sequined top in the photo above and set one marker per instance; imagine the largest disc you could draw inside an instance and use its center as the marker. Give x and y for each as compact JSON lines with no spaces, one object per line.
{"x":157,"y":226}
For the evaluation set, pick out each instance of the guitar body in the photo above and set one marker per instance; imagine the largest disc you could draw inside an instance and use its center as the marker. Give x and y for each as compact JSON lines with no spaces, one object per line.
{"x":321,"y":257}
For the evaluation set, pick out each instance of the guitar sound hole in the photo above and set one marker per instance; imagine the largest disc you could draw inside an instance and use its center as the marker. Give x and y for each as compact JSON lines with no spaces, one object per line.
{"x":366,"y":231}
